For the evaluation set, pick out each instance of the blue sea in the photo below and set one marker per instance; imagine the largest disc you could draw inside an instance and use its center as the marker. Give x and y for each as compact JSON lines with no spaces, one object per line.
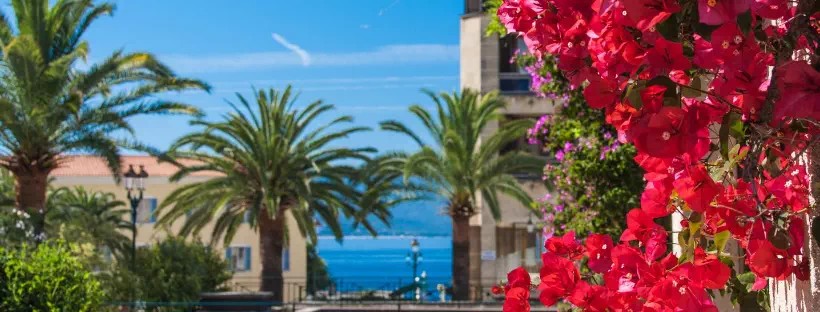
{"x":364,"y":262}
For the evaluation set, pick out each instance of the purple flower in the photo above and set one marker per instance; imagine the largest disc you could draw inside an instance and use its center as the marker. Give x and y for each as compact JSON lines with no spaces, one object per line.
{"x":559,"y":208}
{"x":559,"y":155}
{"x":607,"y":135}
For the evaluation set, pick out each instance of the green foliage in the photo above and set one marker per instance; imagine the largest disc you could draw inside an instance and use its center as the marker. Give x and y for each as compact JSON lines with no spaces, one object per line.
{"x":83,"y":216}
{"x":50,"y":107}
{"x":495,"y":26}
{"x":273,"y":157}
{"x":318,"y":277}
{"x":460,"y":163}
{"x":597,"y":181}
{"x":46,"y":278}
{"x":173,"y":270}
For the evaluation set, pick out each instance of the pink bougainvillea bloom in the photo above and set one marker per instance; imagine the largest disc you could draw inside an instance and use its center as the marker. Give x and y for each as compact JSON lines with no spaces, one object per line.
{"x":565,"y":246}
{"x":799,"y":86}
{"x":666,"y":56}
{"x":717,"y":12}
{"x":517,"y":291}
{"x":697,"y":189}
{"x":648,"y":13}
{"x":599,"y":249}
{"x":558,"y":278}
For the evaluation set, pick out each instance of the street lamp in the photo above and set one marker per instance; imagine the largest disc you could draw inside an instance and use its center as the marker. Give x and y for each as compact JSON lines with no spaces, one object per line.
{"x":530,"y":225}
{"x":413,"y":259}
{"x":134,"y":182}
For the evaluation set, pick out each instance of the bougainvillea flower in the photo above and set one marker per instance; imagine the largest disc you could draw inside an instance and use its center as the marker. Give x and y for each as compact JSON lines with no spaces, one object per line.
{"x":765,"y":259}
{"x":591,"y":298}
{"x":639,"y":224}
{"x":648,"y":13}
{"x":717,"y":12}
{"x":709,"y":271}
{"x":599,"y":249}
{"x":621,"y":116}
{"x":727,"y":41}
{"x":572,"y":7}
{"x":519,"y":16}
{"x":565,"y":246}
{"x":771,"y":9}
{"x":627,"y":261}
{"x":652,"y":98}
{"x":558,"y":278}
{"x":799,"y":86}
{"x":665,"y":134}
{"x":697,"y":189}
{"x":704,"y":54}
{"x":601,"y":93}
{"x":666,"y":56}
{"x":517,"y":291}
{"x":655,"y":201}
{"x":655,"y":244}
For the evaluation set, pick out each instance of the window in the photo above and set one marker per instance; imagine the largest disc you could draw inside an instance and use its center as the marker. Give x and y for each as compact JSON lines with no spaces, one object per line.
{"x":522,"y":143}
{"x":473,"y":6}
{"x":247,"y":216}
{"x":239,"y":258}
{"x":512,"y":78}
{"x":146,"y":209}
{"x":286,"y":259}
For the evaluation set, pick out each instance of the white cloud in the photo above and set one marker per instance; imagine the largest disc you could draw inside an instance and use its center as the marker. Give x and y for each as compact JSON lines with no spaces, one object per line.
{"x":303,"y":55}
{"x":385,"y":55}
{"x":364,"y":26}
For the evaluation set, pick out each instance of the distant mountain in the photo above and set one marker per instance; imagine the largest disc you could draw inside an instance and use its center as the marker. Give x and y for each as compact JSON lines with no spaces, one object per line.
{"x":413,"y":218}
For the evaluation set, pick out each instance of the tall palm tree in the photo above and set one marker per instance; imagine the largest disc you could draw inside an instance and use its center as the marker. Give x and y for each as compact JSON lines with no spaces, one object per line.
{"x":460,"y":164}
{"x":98,"y":215}
{"x":273,"y":158}
{"x":49,"y":106}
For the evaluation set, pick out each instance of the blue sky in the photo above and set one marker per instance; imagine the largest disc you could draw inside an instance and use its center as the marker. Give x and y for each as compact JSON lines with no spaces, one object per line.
{"x":368,"y":57}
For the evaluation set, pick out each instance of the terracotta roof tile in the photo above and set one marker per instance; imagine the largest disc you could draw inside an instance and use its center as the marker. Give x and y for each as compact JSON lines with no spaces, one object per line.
{"x":93,"y":166}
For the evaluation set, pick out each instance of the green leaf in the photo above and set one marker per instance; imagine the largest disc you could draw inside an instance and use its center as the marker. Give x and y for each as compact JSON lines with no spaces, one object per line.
{"x":721,"y":239}
{"x":744,"y":21}
{"x":732,"y":125}
{"x":669,"y":28}
{"x":633,"y":93}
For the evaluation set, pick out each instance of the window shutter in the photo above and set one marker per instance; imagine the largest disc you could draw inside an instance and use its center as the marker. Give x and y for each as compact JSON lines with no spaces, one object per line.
{"x":228,"y":257}
{"x":153,"y":202}
{"x":247,"y":258}
{"x":286,"y":259}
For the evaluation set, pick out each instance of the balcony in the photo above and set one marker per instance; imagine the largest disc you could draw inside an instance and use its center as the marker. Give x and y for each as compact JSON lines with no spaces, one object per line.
{"x":514,"y":83}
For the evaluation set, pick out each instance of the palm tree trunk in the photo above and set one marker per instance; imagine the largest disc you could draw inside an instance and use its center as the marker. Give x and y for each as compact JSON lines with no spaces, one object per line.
{"x":461,"y":257}
{"x":271,"y":242}
{"x":31,"y":190}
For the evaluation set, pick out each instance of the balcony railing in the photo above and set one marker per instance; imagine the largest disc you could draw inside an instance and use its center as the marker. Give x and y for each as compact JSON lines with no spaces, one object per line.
{"x":514,"y":83}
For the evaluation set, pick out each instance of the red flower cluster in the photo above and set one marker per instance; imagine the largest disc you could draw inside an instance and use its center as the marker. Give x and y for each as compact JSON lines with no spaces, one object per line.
{"x":678,"y":96}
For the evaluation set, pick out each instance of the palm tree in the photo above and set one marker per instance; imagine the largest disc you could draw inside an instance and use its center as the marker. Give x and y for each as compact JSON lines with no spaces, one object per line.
{"x":460,"y":164}
{"x":96,"y":214}
{"x":273,"y":159}
{"x":49,"y":107}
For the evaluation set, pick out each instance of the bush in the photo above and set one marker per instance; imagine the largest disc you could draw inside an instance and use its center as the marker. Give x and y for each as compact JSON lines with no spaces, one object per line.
{"x":172,"y":270}
{"x":595,"y":181}
{"x":46,"y":278}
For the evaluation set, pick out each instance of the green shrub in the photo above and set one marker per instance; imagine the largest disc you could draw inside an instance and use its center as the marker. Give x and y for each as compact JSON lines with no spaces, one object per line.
{"x":46,"y":278}
{"x":173,"y":270}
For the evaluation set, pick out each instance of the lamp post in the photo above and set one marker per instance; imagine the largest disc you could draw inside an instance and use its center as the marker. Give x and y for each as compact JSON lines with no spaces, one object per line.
{"x":134,"y":182}
{"x":413,"y":259}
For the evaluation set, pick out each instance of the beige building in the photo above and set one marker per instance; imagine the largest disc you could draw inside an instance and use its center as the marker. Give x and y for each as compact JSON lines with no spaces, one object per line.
{"x":499,"y":247}
{"x":243,"y":253}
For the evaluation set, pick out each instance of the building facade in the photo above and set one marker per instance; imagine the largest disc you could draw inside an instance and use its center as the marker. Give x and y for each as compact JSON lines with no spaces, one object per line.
{"x":497,"y":247}
{"x":243,"y":253}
